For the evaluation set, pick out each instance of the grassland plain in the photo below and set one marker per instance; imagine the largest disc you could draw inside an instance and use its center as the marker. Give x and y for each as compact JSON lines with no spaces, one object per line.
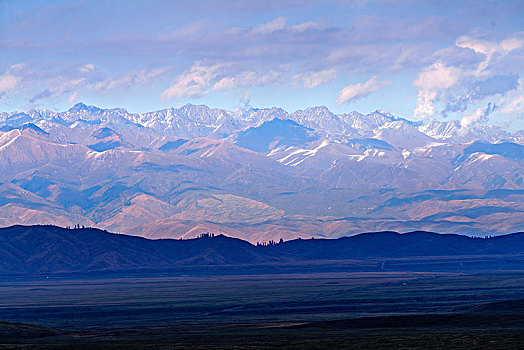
{"x":301,"y":311}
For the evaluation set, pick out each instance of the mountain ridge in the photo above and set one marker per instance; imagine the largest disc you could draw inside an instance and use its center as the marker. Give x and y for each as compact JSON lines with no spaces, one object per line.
{"x":201,"y":120}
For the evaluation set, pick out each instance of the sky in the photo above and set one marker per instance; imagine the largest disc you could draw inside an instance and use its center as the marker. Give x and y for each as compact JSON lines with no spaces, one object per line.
{"x":419,"y":60}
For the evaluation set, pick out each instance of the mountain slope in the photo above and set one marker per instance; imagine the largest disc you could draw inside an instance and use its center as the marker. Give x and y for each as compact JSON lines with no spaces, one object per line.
{"x":274,"y":133}
{"x":257,"y":174}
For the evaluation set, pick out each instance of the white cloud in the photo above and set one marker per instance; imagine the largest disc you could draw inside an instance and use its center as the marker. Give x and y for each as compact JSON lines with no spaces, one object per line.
{"x":437,"y":76}
{"x":473,"y":118}
{"x":71,"y":81}
{"x":488,"y":48}
{"x":73,"y":98}
{"x":193,"y":83}
{"x":455,"y":87}
{"x":515,"y":106}
{"x":430,"y":83}
{"x":8,"y":82}
{"x":88,"y":67}
{"x":11,"y":78}
{"x":279,"y":23}
{"x":279,"y":29}
{"x":314,"y":79}
{"x":513,"y":102}
{"x":353,"y":92}
{"x":247,"y":79}
{"x":481,"y":46}
{"x":479,"y":116}
{"x":305,"y":26}
{"x":200,"y":80}
{"x":18,"y":66}
{"x":50,"y":81}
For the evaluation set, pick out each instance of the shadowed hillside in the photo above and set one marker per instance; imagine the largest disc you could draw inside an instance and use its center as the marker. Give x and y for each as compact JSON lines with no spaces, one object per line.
{"x":50,"y":249}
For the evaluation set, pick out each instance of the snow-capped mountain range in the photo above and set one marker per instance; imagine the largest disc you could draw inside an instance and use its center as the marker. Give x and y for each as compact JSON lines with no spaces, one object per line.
{"x":192,"y":121}
{"x":258,"y":174}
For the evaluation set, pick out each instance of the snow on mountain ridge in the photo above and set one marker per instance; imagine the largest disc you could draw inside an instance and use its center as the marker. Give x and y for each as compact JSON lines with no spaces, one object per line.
{"x":452,"y":130}
{"x":190,"y":121}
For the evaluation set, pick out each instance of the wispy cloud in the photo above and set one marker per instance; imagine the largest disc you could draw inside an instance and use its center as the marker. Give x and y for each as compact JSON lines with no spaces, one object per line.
{"x":202,"y":79}
{"x":277,"y":24}
{"x":88,"y":67}
{"x":42,"y":82}
{"x":73,"y":98}
{"x":193,"y":83}
{"x":314,"y":79}
{"x":353,"y":92}
{"x":131,"y":79}
{"x":248,"y":79}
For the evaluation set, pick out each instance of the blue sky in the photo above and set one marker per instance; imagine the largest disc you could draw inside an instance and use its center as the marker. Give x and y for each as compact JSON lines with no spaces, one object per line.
{"x":416,"y":59}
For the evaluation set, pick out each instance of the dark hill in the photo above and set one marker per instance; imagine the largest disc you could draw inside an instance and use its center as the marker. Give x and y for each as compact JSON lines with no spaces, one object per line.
{"x":51,"y":250}
{"x":395,"y":245}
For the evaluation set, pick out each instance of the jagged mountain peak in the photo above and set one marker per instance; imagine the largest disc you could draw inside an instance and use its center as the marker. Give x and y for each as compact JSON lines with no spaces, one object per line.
{"x":83,"y":107}
{"x":189,"y":107}
{"x":319,"y":110}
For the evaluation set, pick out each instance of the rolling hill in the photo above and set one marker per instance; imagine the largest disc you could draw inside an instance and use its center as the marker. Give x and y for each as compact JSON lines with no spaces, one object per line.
{"x":50,"y":250}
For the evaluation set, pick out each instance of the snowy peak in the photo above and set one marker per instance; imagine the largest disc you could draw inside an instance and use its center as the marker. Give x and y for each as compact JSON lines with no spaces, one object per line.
{"x":315,"y":113}
{"x":322,"y":119}
{"x":402,"y":134}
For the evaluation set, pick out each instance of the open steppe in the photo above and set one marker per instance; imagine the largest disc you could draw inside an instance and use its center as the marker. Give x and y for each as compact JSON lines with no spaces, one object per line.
{"x":301,"y":311}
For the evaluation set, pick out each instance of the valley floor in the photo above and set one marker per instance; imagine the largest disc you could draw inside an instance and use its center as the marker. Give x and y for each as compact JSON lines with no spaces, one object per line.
{"x":363,"y":310}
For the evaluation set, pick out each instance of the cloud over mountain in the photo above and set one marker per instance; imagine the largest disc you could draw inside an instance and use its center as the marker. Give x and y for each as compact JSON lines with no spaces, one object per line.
{"x":455,"y":88}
